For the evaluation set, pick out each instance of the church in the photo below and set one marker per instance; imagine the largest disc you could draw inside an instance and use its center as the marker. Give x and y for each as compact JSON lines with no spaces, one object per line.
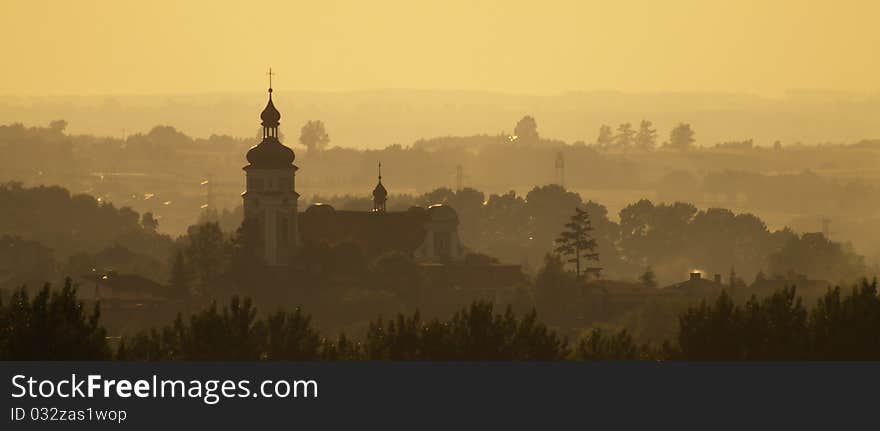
{"x":428,"y":235}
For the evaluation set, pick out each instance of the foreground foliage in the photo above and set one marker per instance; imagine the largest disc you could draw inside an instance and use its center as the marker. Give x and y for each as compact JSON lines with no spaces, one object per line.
{"x":780,"y":328}
{"x":53,"y":325}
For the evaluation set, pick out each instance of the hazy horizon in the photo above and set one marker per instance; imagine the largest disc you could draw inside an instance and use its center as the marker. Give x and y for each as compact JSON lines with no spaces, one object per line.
{"x":609,"y":165}
{"x":378,"y":118}
{"x":750,"y":47}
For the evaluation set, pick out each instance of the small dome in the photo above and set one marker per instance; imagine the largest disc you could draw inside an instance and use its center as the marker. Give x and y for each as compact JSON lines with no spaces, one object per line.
{"x":320,"y":209}
{"x":379,"y":191}
{"x":270,"y":116}
{"x":442,"y":213}
{"x":270,"y":154}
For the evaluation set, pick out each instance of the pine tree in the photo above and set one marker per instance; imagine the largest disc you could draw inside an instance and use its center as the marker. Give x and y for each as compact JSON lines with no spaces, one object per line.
{"x":51,"y":326}
{"x":734,"y":281}
{"x":681,"y":137}
{"x":646,"y":138}
{"x":625,"y":136}
{"x":606,"y":137}
{"x":577,"y":241}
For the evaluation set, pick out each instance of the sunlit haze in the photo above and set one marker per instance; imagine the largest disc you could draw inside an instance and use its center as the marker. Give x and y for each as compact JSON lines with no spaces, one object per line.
{"x":128,"y":47}
{"x":433,"y":181}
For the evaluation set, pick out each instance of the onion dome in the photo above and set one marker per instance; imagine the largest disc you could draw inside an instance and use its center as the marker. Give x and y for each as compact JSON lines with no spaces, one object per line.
{"x":320,"y":209}
{"x":270,"y":115}
{"x":442,"y":213}
{"x":270,"y":154}
{"x":380,"y":195}
{"x":379,"y":192}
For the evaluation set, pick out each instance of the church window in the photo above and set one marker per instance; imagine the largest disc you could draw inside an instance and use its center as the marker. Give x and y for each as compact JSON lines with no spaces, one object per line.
{"x":282,"y":229}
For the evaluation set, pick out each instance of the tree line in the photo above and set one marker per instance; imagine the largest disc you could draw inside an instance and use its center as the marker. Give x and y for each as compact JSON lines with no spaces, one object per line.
{"x":671,"y":238}
{"x":76,"y":233}
{"x":54,"y":325}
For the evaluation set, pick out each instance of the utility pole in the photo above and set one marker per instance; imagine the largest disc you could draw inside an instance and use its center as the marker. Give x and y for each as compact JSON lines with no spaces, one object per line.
{"x":560,"y":169}
{"x":208,"y":182}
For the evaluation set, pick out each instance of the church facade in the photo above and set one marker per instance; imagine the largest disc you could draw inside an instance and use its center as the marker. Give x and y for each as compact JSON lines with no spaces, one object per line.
{"x":271,"y":206}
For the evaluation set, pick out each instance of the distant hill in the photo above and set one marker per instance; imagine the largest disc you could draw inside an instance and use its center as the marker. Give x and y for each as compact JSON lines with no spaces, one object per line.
{"x":375,"y":119}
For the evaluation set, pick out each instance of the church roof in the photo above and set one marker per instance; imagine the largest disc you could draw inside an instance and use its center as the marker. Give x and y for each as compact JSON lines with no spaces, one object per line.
{"x":270,"y":153}
{"x":270,"y":115}
{"x":379,"y":191}
{"x":376,"y":232}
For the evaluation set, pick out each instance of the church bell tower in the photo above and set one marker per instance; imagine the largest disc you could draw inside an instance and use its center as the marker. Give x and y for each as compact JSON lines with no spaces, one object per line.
{"x":270,"y":198}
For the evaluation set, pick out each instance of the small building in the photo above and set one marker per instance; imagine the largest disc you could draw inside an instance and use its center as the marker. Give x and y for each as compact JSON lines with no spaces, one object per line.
{"x":697,"y":285}
{"x":115,"y":290}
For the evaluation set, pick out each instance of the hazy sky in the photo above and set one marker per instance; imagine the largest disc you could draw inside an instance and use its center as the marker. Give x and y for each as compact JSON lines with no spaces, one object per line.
{"x":120,"y":46}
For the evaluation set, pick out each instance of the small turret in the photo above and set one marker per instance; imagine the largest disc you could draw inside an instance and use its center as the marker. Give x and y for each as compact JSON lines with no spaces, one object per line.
{"x":380,"y":195}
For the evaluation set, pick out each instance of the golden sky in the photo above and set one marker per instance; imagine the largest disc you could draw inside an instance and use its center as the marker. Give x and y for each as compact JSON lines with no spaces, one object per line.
{"x":158,"y":46}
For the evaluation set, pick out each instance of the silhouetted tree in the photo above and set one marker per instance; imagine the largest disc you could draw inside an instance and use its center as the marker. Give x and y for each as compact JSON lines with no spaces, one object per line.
{"x":605,"y":138}
{"x":52,"y":326}
{"x":845,"y":328}
{"x":208,"y":252}
{"x":149,"y":222}
{"x":290,"y":336}
{"x":816,"y":256}
{"x":313,"y":136}
{"x":646,"y":138}
{"x":770,"y":329}
{"x":625,"y":136}
{"x":547,"y":208}
{"x":681,"y":137}
{"x":526,"y":130}
{"x":577,"y":241}
{"x":341,"y":349}
{"x":74,"y":223}
{"x":58,"y":126}
{"x":231,"y":334}
{"x":475,"y":334}
{"x":599,"y":346}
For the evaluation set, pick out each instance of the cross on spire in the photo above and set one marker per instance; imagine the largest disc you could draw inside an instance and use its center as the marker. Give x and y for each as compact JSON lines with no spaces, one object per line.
{"x":380,"y":171}
{"x":270,"y":78}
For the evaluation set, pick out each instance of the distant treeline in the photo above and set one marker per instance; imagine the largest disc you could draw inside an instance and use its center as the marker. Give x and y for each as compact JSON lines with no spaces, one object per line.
{"x":47,"y":231}
{"x":670,"y":238}
{"x":54,"y":326}
{"x":626,"y":156}
{"x":50,"y":231}
{"x":669,"y":165}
